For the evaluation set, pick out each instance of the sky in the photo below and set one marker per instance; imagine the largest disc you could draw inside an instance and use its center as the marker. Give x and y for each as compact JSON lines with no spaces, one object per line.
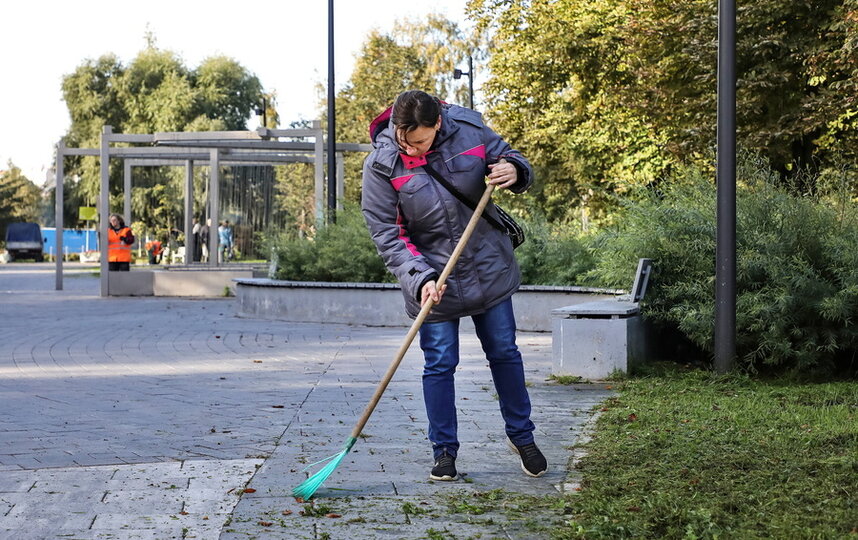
{"x":283,"y":43}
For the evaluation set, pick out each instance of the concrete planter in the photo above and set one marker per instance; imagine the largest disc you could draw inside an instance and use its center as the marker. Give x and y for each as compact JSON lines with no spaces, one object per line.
{"x":381,"y":304}
{"x":198,"y":282}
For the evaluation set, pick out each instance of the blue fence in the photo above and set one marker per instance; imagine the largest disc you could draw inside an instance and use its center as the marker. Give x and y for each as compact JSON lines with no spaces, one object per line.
{"x":73,"y":241}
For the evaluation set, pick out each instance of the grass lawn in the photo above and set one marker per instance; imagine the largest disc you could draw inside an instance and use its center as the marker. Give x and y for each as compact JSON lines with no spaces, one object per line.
{"x":685,"y":454}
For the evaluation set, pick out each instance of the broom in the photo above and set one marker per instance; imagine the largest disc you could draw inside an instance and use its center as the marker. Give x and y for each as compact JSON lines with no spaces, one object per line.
{"x":311,"y":484}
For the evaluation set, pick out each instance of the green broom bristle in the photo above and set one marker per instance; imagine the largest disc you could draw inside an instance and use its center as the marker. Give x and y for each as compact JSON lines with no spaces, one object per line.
{"x":309,"y":486}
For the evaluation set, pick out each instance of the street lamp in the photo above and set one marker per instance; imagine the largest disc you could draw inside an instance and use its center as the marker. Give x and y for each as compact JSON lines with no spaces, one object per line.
{"x":457,"y":74}
{"x":261,"y":111}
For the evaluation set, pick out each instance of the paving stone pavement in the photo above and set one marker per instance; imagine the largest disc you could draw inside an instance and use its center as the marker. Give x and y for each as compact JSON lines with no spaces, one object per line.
{"x":164,"y":418}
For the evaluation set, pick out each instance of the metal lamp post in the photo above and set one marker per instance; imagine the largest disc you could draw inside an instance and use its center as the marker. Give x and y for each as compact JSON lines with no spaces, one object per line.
{"x":332,"y":121}
{"x":263,"y":111}
{"x":457,"y":74}
{"x":725,"y":244}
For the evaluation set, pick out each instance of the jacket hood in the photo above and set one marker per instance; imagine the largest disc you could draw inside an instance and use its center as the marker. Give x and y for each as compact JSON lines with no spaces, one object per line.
{"x":380,"y":123}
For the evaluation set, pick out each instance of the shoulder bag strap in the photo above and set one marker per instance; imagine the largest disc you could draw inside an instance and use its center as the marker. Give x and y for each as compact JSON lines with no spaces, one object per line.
{"x":459,"y":195}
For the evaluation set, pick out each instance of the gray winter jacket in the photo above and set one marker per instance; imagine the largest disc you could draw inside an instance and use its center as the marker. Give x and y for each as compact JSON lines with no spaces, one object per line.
{"x":416,"y":222}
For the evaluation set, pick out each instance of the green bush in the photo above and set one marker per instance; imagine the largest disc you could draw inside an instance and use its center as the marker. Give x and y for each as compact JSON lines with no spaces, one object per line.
{"x":341,"y":252}
{"x":797,"y":267}
{"x":553,"y":254}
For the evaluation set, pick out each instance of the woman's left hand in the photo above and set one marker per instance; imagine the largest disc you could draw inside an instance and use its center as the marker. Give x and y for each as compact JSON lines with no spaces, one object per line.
{"x":503,"y":174}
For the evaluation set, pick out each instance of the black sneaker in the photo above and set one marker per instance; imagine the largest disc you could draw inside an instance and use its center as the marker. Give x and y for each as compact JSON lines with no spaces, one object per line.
{"x":533,"y":463}
{"x":444,"y":469}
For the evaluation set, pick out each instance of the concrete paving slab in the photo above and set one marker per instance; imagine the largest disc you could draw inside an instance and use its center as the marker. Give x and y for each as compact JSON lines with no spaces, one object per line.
{"x":173,"y":418}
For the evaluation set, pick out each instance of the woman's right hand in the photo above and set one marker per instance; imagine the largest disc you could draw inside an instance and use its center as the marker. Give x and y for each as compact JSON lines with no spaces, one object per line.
{"x":430,"y":290}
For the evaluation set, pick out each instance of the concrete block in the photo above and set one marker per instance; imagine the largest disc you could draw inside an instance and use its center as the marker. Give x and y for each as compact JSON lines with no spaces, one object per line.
{"x":381,"y":304}
{"x":133,"y":283}
{"x":197,"y":282}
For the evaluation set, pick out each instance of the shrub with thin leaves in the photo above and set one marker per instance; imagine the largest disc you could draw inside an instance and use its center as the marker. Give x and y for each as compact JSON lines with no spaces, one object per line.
{"x":340,"y":252}
{"x":797,"y":268}
{"x":552,"y":254}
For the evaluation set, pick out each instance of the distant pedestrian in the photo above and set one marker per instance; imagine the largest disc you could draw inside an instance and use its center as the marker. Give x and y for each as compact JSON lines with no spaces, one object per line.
{"x":119,"y":240}
{"x":198,"y":248}
{"x":155,"y":250}
{"x":204,"y":240}
{"x":225,"y":241}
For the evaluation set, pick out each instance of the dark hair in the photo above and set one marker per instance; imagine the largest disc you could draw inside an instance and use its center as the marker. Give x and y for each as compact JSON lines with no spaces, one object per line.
{"x":413,"y":109}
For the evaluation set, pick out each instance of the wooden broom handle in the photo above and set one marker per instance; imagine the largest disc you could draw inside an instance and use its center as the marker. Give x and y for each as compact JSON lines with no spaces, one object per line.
{"x":424,"y":311}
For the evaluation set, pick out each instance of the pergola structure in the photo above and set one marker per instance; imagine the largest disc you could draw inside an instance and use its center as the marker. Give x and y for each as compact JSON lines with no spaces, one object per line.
{"x":213,"y":149}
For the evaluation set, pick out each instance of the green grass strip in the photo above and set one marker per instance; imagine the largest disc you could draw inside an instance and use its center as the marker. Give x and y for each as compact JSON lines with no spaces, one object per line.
{"x":689,"y":455}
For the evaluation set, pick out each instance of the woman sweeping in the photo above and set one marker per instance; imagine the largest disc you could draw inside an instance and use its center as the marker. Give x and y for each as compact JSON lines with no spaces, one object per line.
{"x":415,"y":221}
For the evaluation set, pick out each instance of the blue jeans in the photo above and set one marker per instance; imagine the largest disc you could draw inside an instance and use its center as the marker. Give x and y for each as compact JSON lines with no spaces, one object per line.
{"x":440,"y":343}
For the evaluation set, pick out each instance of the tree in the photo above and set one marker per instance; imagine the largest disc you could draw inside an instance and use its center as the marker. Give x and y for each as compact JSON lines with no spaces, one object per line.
{"x":419,"y":55}
{"x":553,"y":66}
{"x":796,"y":76}
{"x":225,"y":90}
{"x":19,"y":198}
{"x":607,"y":94}
{"x":413,"y":55}
{"x":155,"y":92}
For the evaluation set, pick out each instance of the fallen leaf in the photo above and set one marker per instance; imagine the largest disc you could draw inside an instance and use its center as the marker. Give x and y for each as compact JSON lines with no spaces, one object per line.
{"x":634,"y":508}
{"x":299,"y":499}
{"x":183,"y":513}
{"x":266,"y":523}
{"x":217,"y":337}
{"x":633,"y":417}
{"x":249,"y":490}
{"x":205,"y":518}
{"x":277,"y":406}
{"x":333,"y":515}
{"x":603,"y":409}
{"x":257,"y":361}
{"x":287,"y":512}
{"x":609,"y":387}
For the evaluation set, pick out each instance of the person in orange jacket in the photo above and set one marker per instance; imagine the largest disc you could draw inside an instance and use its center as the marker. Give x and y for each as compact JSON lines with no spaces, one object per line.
{"x":119,"y":240}
{"x":155,"y":249}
